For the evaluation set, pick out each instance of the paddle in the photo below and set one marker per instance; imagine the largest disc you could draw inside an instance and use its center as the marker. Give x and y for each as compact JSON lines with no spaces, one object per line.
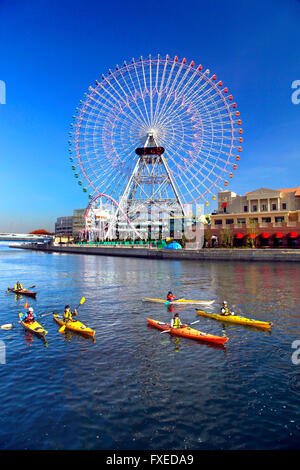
{"x":167,"y":331}
{"x":8,"y":326}
{"x":62,"y":329}
{"x":167,"y":302}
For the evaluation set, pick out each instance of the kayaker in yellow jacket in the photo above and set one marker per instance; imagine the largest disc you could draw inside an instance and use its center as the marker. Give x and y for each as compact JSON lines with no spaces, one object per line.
{"x":68,"y":314}
{"x":225,"y":310}
{"x":18,"y":286}
{"x":176,"y":322}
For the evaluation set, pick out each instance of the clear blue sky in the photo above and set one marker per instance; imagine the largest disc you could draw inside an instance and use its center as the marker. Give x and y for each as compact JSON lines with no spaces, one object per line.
{"x":52,"y":50}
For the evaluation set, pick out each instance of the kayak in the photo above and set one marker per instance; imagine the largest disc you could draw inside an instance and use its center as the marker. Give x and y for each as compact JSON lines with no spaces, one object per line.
{"x":180,"y":301}
{"x":188,"y":332}
{"x":34,"y":327}
{"x":75,"y":325}
{"x":22,"y":292}
{"x":237,"y":320}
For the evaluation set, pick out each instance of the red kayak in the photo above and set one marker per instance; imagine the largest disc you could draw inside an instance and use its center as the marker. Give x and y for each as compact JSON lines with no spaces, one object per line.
{"x":188,"y":332}
{"x":22,"y":292}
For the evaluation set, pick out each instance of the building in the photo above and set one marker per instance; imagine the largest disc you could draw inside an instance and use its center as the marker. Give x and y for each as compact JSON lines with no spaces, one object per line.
{"x":64,"y":226}
{"x":78,"y":221}
{"x":268,"y":217}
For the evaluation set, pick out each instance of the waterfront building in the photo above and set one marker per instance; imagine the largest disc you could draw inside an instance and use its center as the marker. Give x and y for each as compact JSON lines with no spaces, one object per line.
{"x":264,"y":217}
{"x":64,"y":225}
{"x":78,"y":221}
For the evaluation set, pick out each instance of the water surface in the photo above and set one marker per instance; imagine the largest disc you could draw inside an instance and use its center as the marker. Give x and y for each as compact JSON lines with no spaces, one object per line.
{"x":134,"y":388}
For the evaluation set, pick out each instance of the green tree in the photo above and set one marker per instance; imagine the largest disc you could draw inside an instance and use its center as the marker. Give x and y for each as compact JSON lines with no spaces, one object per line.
{"x":226,"y":238}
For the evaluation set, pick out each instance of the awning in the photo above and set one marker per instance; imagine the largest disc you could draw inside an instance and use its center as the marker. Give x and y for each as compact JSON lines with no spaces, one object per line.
{"x":252,"y":235}
{"x":292,"y":235}
{"x":265,"y":235}
{"x":278,"y":235}
{"x":239,"y":236}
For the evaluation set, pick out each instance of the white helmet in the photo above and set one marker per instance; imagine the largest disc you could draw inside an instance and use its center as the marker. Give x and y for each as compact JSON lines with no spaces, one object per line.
{"x":30,"y":309}
{"x":224,"y":303}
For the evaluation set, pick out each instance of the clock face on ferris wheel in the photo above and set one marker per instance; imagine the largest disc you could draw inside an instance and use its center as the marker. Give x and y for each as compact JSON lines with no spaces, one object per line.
{"x":189,"y":112}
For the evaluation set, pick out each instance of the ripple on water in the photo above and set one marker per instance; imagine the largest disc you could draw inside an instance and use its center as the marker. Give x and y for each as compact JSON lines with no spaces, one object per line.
{"x":133,"y":388}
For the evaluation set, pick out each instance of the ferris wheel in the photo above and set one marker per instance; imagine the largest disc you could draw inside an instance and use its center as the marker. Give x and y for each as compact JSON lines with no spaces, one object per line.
{"x":156,"y":130}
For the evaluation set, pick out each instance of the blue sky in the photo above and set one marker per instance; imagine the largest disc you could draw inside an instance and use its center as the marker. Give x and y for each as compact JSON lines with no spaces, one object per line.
{"x":52,"y":50}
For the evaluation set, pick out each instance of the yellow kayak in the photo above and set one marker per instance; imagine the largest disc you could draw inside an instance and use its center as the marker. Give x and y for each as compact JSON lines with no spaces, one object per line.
{"x":34,"y":327}
{"x":75,"y":325}
{"x":237,"y":320}
{"x":180,"y":301}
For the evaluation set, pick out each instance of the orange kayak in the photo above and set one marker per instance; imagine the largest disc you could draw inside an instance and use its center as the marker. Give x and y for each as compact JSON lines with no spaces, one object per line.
{"x":188,"y":332}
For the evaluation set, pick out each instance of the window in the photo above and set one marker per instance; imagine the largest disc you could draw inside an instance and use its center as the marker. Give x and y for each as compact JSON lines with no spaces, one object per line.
{"x":284,"y":205}
{"x":266,"y":220}
{"x":264,"y":207}
{"x":218,"y":222}
{"x":279,"y":219}
{"x":245,"y":208}
{"x":229,"y":221}
{"x":274,"y":207}
{"x":254,"y":208}
{"x":241,"y":221}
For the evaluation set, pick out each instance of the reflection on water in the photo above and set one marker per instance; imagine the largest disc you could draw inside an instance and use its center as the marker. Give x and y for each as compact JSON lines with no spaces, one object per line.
{"x":117,"y":392}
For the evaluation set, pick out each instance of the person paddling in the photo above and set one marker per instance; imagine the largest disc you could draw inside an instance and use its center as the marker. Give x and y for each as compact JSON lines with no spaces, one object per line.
{"x":29,"y":316}
{"x":176,"y":322}
{"x":225,"y":310}
{"x":170,"y":297}
{"x":68,"y":314}
{"x":18,"y":286}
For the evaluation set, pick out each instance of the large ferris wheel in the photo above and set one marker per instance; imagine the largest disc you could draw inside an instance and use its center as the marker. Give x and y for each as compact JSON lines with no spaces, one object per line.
{"x":157,"y":131}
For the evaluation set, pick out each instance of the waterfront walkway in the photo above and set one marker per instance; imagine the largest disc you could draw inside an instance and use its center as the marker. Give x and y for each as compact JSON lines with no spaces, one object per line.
{"x":211,"y":254}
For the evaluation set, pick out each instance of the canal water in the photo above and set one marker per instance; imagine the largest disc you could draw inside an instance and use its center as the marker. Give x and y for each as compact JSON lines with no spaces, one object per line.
{"x":134,"y":388}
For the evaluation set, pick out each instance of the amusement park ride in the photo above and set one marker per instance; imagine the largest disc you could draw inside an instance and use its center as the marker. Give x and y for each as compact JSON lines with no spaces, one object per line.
{"x":152,"y":139}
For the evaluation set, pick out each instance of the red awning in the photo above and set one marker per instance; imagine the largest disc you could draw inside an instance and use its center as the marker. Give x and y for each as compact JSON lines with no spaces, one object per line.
{"x":239,"y":236}
{"x":252,"y":235}
{"x":278,"y":235}
{"x":265,"y":235}
{"x":292,"y":235}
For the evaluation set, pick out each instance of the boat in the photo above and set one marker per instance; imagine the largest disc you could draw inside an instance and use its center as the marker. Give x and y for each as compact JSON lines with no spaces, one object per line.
{"x":75,"y":326}
{"x":179,"y":301}
{"x":237,"y":320}
{"x":187,"y":332}
{"x":22,"y":292}
{"x":34,"y":327}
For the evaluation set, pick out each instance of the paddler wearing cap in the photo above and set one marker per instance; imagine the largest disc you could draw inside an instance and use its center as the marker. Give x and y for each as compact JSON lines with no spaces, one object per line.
{"x":29,"y":316}
{"x":225,"y":310}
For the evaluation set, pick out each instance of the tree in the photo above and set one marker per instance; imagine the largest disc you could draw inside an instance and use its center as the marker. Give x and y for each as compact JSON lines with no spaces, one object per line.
{"x":252,"y":229}
{"x":226,"y":238}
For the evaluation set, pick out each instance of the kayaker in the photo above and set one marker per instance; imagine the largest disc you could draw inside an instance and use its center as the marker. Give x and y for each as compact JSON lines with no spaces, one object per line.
{"x":225,"y":310}
{"x":175,"y":322}
{"x":29,"y":316}
{"x":170,"y":297}
{"x":18,"y":286}
{"x":68,"y":314}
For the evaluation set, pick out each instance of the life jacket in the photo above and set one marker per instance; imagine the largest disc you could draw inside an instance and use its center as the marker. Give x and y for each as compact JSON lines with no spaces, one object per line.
{"x":226,"y":311}
{"x":29,"y":317}
{"x":67,"y":315}
{"x":170,"y":297}
{"x":176,"y":323}
{"x":20,"y":287}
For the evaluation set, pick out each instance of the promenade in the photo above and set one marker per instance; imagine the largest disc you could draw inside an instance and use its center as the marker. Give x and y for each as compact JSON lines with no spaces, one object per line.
{"x":207,"y":254}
